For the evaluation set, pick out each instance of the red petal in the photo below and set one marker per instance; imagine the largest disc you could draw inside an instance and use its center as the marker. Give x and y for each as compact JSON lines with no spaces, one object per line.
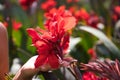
{"x":61,"y":10}
{"x":43,"y":48}
{"x":39,"y":43}
{"x":65,"y":42}
{"x":33,"y":34}
{"x":70,"y":22}
{"x":61,"y":23}
{"x":45,"y":33}
{"x":16,"y":25}
{"x":41,"y":59}
{"x":53,"y":61}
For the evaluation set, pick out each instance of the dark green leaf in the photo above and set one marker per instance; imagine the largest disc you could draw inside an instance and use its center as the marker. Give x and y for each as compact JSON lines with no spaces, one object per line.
{"x":107,"y":42}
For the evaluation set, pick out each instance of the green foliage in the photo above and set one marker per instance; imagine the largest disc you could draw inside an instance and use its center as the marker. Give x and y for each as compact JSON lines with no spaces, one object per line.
{"x":110,"y":45}
{"x":20,"y":43}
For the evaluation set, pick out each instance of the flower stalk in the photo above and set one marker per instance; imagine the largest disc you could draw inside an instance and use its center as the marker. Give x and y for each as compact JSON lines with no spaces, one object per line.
{"x":108,"y":68}
{"x":75,"y":70}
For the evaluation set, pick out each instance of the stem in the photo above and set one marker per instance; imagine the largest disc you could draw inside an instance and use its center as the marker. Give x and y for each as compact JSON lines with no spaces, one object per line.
{"x":24,"y":52}
{"x":72,"y":72}
{"x":64,"y":72}
{"x":78,"y":74}
{"x":7,"y":77}
{"x":49,"y":76}
{"x":75,"y":71}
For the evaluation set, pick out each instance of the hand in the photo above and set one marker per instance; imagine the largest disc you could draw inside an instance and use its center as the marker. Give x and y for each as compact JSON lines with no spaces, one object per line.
{"x":27,"y":71}
{"x":4,"y":60}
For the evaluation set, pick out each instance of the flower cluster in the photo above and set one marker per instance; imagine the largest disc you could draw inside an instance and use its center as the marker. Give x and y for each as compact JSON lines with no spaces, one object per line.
{"x":82,"y":15}
{"x":116,"y":13}
{"x":48,"y":4}
{"x":16,"y":25}
{"x":52,"y":42}
{"x":25,"y":4}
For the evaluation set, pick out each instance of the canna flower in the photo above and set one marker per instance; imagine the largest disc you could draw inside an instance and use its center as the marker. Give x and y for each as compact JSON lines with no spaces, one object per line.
{"x":92,"y":76}
{"x":93,"y":20}
{"x":116,"y":14}
{"x":72,"y":9}
{"x":82,"y":15}
{"x":92,"y":53}
{"x":5,"y":24}
{"x":25,"y":4}
{"x":117,"y":10}
{"x":52,"y":43}
{"x":71,"y":1}
{"x":16,"y":25}
{"x":89,"y":76}
{"x":48,"y":4}
{"x":88,"y":19}
{"x":57,"y":15}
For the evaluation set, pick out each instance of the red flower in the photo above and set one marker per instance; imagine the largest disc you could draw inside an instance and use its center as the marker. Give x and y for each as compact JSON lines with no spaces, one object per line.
{"x":70,"y":1}
{"x":90,"y":19}
{"x":53,"y":42}
{"x":26,"y":3}
{"x":16,"y":25}
{"x":93,"y":20}
{"x":57,"y":15}
{"x":92,"y":76}
{"x":72,"y":9}
{"x":116,"y":14}
{"x":114,"y":17}
{"x":82,"y":15}
{"x":117,"y":10}
{"x":89,"y":76}
{"x":48,"y":5}
{"x":92,"y":53}
{"x":5,"y":24}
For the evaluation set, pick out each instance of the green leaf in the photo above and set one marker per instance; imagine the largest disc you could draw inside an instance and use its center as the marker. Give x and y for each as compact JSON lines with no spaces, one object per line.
{"x":30,"y":48}
{"x":40,"y":19}
{"x":107,"y":42}
{"x":79,"y":53}
{"x":16,"y":37}
{"x":20,"y":15}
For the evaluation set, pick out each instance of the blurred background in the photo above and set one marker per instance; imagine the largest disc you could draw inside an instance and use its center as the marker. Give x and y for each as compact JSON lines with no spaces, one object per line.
{"x":96,"y":35}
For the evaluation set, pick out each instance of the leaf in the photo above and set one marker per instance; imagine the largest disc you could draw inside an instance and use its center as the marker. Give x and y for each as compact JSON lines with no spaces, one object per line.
{"x":40,"y":19}
{"x":107,"y":42}
{"x":16,"y":37}
{"x":20,"y":15}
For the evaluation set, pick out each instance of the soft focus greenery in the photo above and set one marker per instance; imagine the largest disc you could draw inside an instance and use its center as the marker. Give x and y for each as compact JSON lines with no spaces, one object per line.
{"x":103,"y":41}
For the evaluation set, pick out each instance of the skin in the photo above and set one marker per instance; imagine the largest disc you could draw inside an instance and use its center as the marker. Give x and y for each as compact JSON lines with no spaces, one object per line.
{"x":4,"y":64}
{"x":27,"y":71}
